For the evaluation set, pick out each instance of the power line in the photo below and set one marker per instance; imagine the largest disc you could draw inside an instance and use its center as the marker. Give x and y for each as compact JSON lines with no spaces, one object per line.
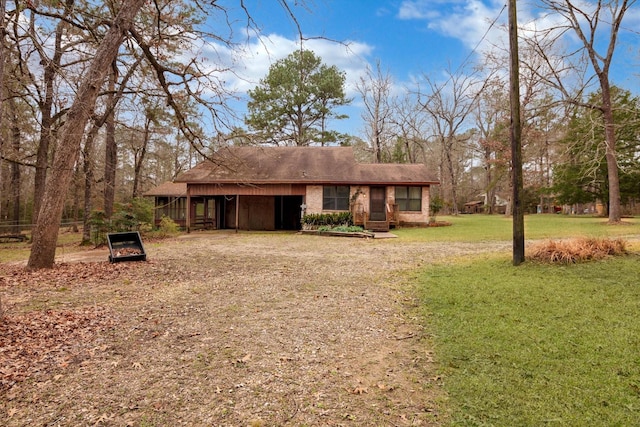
{"x":482,"y":39}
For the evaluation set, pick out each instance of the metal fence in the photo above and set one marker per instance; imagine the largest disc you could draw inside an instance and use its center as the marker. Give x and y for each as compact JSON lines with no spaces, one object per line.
{"x":10,"y":227}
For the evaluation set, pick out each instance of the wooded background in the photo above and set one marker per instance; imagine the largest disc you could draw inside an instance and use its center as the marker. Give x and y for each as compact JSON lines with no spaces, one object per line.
{"x":161,"y":108}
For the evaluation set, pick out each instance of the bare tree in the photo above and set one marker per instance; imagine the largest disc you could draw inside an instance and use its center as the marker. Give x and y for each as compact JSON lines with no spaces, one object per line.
{"x":492,"y":122}
{"x":141,"y":144}
{"x":45,"y":233}
{"x":539,"y":129}
{"x":585,"y":20}
{"x":88,"y":151}
{"x":46,"y":91}
{"x":376,"y":91}
{"x":450,"y":106}
{"x":410,"y":127}
{"x":16,"y":137}
{"x":190,"y":79}
{"x":111,"y":147}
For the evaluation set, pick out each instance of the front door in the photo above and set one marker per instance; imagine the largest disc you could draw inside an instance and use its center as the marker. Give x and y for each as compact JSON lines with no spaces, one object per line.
{"x":377,"y":204}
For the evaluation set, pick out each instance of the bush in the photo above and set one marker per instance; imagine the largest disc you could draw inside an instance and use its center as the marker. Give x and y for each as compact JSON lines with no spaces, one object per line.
{"x":136,"y":215}
{"x":336,"y":219}
{"x":576,"y":250}
{"x":133,"y":215}
{"x":99,"y":227}
{"x":168,"y":227}
{"x":342,"y":228}
{"x":435,"y":206}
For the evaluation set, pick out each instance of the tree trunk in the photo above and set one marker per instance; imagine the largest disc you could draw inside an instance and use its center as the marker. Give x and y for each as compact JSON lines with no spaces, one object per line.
{"x":77,"y":178}
{"x":45,"y":233}
{"x":46,"y":106}
{"x":15,"y":167}
{"x":42,"y":161}
{"x":111,"y":148}
{"x":88,"y":183}
{"x":447,"y":146}
{"x":139,"y":161}
{"x":612,"y":162}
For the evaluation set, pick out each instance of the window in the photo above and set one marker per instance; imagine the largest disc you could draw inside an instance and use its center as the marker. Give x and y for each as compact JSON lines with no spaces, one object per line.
{"x":173,"y":207}
{"x":409,"y":198}
{"x":335,"y":197}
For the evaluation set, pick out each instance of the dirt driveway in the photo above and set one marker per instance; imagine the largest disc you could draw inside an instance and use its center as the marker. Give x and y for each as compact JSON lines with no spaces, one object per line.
{"x":226,"y":329}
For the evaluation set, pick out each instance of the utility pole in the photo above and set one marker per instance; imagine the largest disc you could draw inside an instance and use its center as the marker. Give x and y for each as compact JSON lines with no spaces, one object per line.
{"x":516,"y":139}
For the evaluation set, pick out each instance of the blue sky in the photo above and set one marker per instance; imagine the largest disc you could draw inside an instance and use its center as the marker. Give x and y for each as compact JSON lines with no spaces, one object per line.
{"x":410,"y":39}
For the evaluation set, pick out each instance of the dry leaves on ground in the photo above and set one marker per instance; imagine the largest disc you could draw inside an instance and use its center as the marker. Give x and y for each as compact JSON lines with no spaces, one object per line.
{"x":47,"y":341}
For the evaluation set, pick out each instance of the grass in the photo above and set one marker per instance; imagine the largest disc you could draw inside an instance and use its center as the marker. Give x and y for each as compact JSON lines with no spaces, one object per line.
{"x":473,"y":228}
{"x":68,"y":241}
{"x":537,"y":344}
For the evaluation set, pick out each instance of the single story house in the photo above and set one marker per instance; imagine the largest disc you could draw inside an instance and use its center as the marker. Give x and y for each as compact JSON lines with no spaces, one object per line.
{"x":271,"y":188}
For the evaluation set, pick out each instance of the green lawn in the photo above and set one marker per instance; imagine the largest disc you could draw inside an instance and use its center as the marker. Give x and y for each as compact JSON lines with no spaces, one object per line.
{"x":475,"y":228}
{"x":535,"y":344}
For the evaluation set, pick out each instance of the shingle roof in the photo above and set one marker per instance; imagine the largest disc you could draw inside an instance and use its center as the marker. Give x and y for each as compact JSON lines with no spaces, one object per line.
{"x":175,"y":189}
{"x":308,"y":165}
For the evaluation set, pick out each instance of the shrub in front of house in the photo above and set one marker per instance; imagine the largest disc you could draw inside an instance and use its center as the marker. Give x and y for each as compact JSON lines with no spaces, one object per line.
{"x":342,"y":228}
{"x":167,"y":227}
{"x":327,"y":220}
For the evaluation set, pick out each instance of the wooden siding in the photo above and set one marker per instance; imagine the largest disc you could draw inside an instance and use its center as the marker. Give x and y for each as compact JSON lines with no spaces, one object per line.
{"x":247,"y":190}
{"x":257,"y":213}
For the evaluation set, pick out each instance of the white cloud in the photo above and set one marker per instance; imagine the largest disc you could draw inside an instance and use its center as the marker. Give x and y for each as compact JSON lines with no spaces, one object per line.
{"x":464,"y":20}
{"x":418,"y":10}
{"x":249,"y":63}
{"x":240,"y":68}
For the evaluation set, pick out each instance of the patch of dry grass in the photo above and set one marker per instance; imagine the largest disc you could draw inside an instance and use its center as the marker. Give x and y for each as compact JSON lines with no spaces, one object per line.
{"x":571,"y":251}
{"x":230,"y":329}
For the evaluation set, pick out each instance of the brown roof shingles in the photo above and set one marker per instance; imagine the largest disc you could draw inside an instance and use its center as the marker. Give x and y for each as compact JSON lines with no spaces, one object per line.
{"x":174,"y":189}
{"x":310,"y":165}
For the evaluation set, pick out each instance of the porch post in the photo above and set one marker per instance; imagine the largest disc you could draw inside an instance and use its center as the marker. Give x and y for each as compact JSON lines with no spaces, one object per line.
{"x":188,"y":208}
{"x":237,"y":212}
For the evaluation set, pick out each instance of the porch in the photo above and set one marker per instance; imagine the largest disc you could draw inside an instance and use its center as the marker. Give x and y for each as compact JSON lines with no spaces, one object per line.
{"x":379,"y":223}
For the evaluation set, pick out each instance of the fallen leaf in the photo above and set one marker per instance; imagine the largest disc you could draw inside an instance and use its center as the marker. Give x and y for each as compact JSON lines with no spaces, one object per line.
{"x":104,"y":418}
{"x":39,"y":340}
{"x":385,"y":387}
{"x":360,"y":390}
{"x":242,"y":361}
